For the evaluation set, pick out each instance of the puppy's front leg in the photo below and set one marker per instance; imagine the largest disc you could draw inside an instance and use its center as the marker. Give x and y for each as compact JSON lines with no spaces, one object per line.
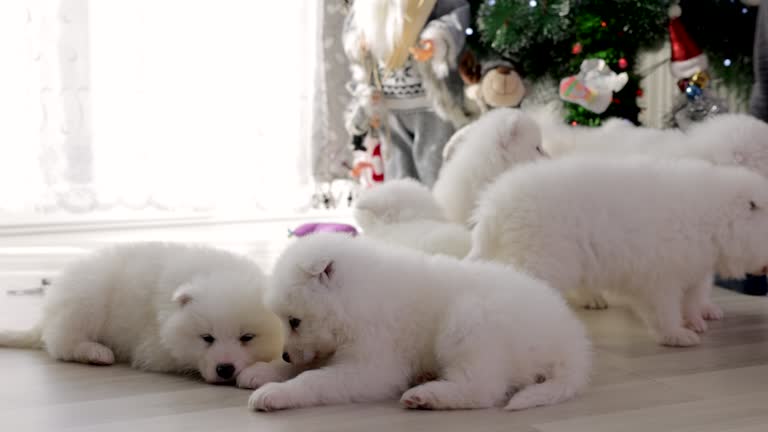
{"x":339,"y":383}
{"x":258,"y":374}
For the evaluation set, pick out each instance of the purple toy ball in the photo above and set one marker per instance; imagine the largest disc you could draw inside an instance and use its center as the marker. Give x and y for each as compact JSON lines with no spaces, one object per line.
{"x":310,"y":228}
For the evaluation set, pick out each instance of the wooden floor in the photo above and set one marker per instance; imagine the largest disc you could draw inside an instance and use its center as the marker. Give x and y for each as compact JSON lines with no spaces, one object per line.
{"x":720,"y":386}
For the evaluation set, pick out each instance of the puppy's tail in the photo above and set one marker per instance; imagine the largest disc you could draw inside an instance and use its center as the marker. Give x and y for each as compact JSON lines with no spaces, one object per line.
{"x":567,"y":380}
{"x":29,"y":339}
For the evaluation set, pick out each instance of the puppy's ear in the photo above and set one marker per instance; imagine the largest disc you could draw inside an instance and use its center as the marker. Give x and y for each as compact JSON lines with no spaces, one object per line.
{"x":322,"y":269}
{"x":182,"y":296}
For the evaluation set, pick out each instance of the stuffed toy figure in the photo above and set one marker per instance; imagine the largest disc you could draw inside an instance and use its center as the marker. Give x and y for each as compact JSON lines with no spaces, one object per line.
{"x":405,"y":83}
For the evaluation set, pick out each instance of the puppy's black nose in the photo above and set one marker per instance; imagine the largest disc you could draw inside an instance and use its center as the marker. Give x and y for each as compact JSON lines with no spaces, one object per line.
{"x":286,"y":357}
{"x":225,"y":370}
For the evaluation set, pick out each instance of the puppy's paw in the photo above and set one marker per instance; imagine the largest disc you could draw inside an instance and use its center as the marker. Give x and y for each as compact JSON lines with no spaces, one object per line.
{"x":257,"y":375}
{"x":594,"y":301}
{"x":271,"y":397}
{"x":681,"y":337}
{"x":711,"y":312}
{"x":696,"y":324}
{"x":419,"y":398}
{"x":94,"y":353}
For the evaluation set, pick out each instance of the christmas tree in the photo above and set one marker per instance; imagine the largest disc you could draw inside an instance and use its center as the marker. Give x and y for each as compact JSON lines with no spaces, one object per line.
{"x":549,"y":39}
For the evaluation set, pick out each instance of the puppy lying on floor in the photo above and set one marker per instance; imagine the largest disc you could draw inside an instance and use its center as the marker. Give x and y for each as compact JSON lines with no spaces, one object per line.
{"x":403,"y":212}
{"x":376,"y":317}
{"x":651,"y":230}
{"x":160,"y":307}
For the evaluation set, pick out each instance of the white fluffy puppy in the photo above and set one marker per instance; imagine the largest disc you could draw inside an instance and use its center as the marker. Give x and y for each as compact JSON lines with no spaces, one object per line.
{"x":498,"y":140}
{"x":457,"y":139}
{"x":726,"y":139}
{"x":404,"y":212}
{"x":380,"y":316}
{"x":160,"y":307}
{"x":648,"y":229}
{"x":614,"y":137}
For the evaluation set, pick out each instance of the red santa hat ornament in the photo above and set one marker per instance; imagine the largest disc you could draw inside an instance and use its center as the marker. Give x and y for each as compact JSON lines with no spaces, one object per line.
{"x":687,"y":58}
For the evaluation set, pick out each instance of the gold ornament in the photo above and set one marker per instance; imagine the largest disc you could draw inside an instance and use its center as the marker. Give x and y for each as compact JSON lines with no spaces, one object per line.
{"x":701,"y":79}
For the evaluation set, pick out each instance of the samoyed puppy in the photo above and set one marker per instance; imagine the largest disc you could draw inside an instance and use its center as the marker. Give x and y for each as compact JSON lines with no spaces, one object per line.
{"x":613,"y":137}
{"x":726,"y":139}
{"x":648,"y":229}
{"x":457,"y":139}
{"x":405,"y":213}
{"x":160,"y":307}
{"x":376,"y":317}
{"x":495,"y":142}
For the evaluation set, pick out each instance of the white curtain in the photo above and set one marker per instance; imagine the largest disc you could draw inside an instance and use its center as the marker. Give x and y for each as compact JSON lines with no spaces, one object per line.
{"x":162,"y":104}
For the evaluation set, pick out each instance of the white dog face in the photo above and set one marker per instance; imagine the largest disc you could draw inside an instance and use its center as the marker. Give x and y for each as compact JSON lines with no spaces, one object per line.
{"x":754,"y":234}
{"x":221,"y":327}
{"x":396,"y":201}
{"x":304,"y":293}
{"x":743,"y":239}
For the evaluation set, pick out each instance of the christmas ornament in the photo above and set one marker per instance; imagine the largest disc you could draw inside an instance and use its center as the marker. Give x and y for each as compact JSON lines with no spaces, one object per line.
{"x":701,"y":79}
{"x":695,"y":109}
{"x":576,"y":49}
{"x":693,"y":92}
{"x":689,"y":65}
{"x":687,"y":58}
{"x":594,"y":85}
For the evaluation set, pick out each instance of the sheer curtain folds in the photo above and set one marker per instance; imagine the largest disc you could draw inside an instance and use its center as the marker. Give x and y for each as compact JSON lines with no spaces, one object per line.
{"x":169,"y":104}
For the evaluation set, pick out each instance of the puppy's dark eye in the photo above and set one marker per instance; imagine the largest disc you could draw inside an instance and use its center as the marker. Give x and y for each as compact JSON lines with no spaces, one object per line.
{"x":208,"y":338}
{"x":294,"y":323}
{"x":247,"y":337}
{"x":540,"y":150}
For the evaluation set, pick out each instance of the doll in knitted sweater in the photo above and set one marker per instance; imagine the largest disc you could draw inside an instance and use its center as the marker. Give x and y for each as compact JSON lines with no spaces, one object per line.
{"x":404,"y":55}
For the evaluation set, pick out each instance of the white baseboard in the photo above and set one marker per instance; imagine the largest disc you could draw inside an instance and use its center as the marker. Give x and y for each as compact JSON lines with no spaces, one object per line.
{"x":89,"y":223}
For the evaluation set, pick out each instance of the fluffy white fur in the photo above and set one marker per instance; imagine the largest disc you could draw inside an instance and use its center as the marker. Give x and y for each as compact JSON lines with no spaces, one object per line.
{"x":379,"y":317}
{"x":405,"y":213}
{"x":614,"y":137}
{"x":149,"y":304}
{"x":381,"y":23}
{"x":498,"y":140}
{"x":457,"y":139}
{"x":727,"y":139}
{"x":653,"y":230}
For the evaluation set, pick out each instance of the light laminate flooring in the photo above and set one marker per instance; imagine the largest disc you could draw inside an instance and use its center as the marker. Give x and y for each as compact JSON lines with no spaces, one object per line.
{"x":720,"y":386}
